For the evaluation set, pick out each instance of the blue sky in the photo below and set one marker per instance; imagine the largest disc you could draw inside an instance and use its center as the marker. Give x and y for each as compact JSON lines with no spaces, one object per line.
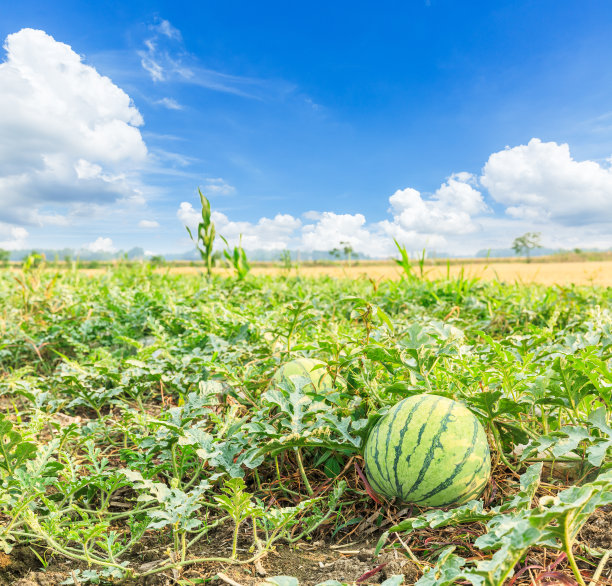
{"x":448,"y":125}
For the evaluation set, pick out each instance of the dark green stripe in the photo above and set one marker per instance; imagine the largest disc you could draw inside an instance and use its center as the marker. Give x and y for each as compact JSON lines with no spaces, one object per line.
{"x":435,"y":443}
{"x":449,"y":481}
{"x":468,"y":495}
{"x":372,"y":447}
{"x":485,"y":463}
{"x":389,"y":431}
{"x":377,"y":487}
{"x":400,"y":443}
{"x":469,"y":492}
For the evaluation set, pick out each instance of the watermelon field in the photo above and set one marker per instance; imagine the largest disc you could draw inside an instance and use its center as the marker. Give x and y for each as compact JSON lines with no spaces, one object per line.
{"x":148,"y":437}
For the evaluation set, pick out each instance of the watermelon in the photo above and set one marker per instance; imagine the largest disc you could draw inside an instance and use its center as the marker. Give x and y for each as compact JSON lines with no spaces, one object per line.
{"x":320,"y":379}
{"x":430,"y":451}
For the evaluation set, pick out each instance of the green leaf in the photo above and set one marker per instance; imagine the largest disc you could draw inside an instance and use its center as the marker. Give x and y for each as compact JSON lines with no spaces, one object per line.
{"x":447,"y":571}
{"x":282,"y":581}
{"x":393,"y":581}
{"x":14,"y":451}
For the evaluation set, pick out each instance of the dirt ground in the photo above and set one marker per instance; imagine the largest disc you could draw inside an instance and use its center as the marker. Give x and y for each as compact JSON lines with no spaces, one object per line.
{"x":549,"y":273}
{"x":312,"y":563}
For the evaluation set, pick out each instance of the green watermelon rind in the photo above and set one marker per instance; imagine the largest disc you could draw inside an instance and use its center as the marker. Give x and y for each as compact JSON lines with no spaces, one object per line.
{"x":305,"y":367}
{"x":428,"y":450}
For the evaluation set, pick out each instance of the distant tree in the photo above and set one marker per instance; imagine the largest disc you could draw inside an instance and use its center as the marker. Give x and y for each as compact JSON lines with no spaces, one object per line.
{"x":285,"y":258}
{"x":526,"y":243}
{"x":157,"y":260}
{"x":348,"y":252}
{"x":4,"y":257}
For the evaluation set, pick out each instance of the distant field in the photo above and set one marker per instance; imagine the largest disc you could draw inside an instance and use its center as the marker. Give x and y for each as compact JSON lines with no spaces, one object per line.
{"x":543,"y":270}
{"x":546,"y":273}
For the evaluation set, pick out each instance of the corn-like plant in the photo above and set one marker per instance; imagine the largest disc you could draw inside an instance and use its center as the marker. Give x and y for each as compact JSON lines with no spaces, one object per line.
{"x":237,"y":258}
{"x":205,"y":236}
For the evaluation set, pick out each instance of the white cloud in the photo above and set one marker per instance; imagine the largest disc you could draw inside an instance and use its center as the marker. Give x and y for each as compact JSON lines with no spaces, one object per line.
{"x":148,"y":224}
{"x":275,"y":233}
{"x":416,"y":223}
{"x":543,"y":188}
{"x":165,"y":58}
{"x":68,"y":135}
{"x":218,"y":186}
{"x":187,"y":215}
{"x":169,"y":103}
{"x":267,"y":234}
{"x":332,"y":230}
{"x":449,"y":211}
{"x":312,"y":215}
{"x":438,"y":222}
{"x":540,"y":181}
{"x":165,"y":28}
{"x":17,"y":237}
{"x":101,"y":244}
{"x":150,"y":61}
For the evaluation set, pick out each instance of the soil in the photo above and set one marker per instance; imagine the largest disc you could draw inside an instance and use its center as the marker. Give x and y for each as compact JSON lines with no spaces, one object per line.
{"x":316,"y":563}
{"x":310,"y":563}
{"x":20,"y":561}
{"x":597,"y":532}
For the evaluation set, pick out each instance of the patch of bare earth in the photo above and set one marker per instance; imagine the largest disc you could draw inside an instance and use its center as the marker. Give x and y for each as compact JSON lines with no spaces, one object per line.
{"x":597,"y":532}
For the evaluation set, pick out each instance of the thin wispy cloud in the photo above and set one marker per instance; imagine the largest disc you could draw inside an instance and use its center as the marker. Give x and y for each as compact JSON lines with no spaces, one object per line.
{"x":218,"y":186}
{"x":165,"y":28}
{"x":148,"y":224}
{"x":169,"y":103}
{"x":166,"y":59}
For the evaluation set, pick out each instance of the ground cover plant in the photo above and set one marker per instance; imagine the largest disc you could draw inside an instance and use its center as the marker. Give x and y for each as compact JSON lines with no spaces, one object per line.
{"x":142,"y":439}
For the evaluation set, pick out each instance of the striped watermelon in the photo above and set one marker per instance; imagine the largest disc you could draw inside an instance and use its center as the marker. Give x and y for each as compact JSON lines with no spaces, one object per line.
{"x":320,"y":379}
{"x":428,"y":450}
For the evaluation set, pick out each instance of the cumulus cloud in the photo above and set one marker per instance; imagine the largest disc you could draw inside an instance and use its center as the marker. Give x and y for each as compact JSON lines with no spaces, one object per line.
{"x":267,"y":234}
{"x":16,"y":237}
{"x":101,"y":244}
{"x":449,"y":211}
{"x":542,"y":188}
{"x":434,"y":223}
{"x":68,"y":135}
{"x":541,"y":181}
{"x":148,"y":224}
{"x":417,"y":222}
{"x":275,"y":233}
{"x":333,"y":230}
{"x":188,"y":215}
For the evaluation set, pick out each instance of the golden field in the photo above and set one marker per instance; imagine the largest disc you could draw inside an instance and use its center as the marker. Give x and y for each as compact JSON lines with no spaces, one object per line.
{"x":545,"y":273}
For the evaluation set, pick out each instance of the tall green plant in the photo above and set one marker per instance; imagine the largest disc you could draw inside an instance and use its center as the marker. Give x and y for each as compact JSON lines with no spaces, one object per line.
{"x":205,"y":236}
{"x":237,"y":258}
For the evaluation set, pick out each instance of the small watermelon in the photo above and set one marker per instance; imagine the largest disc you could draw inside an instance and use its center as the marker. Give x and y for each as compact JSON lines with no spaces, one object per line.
{"x":430,"y":451}
{"x":320,"y":379}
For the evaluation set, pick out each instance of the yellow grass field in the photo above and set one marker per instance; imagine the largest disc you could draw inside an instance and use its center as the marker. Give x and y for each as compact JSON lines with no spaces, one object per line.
{"x":549,"y":273}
